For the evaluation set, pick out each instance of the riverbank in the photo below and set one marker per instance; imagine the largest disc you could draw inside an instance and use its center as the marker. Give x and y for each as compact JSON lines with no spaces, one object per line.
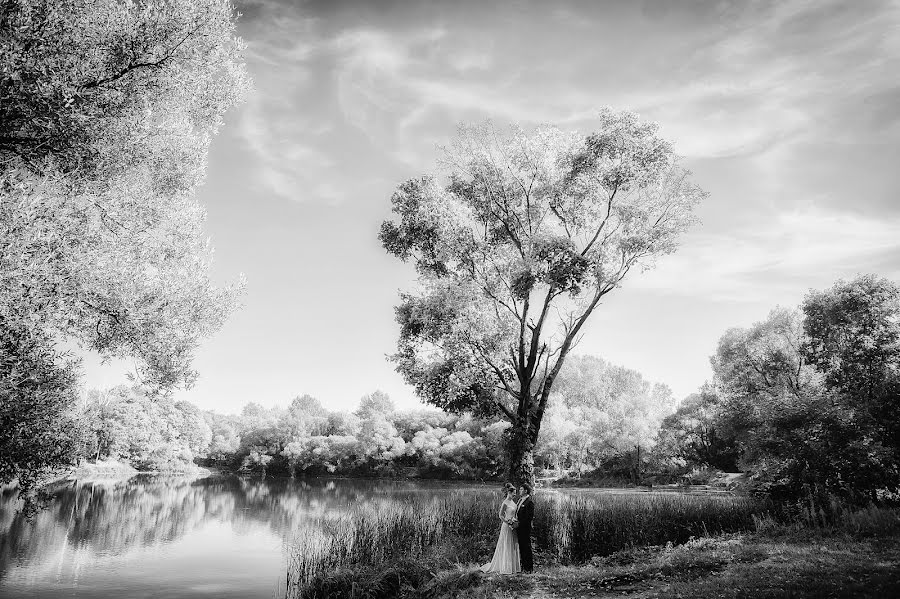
{"x":796,"y":565}
{"x":712,"y":481}
{"x":857,"y":557}
{"x":106,"y":471}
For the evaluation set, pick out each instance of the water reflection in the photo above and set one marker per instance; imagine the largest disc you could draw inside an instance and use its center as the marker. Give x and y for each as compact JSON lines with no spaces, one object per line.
{"x":216,"y":536}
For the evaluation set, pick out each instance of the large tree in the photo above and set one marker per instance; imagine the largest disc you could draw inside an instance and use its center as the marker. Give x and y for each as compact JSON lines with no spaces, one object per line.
{"x":852,"y":335}
{"x":811,"y":397}
{"x":515,"y":248}
{"x":107,"y":109}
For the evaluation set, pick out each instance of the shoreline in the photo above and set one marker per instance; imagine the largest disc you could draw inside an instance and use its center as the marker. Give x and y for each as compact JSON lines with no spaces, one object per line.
{"x":111,"y":471}
{"x":107,"y":471}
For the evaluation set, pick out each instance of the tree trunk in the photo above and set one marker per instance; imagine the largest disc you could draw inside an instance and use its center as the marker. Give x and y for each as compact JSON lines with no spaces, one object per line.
{"x":521,"y":456}
{"x":637,"y":464}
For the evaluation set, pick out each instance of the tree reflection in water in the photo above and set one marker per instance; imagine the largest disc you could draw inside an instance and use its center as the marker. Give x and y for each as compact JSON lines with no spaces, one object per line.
{"x":88,"y":522}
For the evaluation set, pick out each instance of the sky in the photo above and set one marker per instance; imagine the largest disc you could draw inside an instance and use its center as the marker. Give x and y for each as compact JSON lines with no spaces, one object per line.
{"x":787,"y":112}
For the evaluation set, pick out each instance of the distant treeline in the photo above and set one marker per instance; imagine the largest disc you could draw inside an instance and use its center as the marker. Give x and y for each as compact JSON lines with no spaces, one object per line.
{"x":376,"y":439}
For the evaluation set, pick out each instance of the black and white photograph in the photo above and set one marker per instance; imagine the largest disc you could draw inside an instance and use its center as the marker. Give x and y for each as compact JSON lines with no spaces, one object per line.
{"x":439,"y":299}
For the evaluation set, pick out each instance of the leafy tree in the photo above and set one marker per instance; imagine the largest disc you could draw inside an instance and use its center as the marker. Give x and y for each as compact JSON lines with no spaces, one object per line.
{"x":263,"y":432}
{"x":99,"y":428}
{"x":799,"y":433}
{"x":852,"y":336}
{"x":225,"y":440}
{"x":107,"y":113}
{"x":697,"y":433}
{"x":193,"y":431}
{"x":148,"y":431}
{"x":36,"y":395}
{"x":766,"y":357}
{"x":379,"y":442}
{"x":305,"y":416}
{"x":514,"y":251}
{"x":256,"y":461}
{"x":440,"y":449}
{"x":376,"y":403}
{"x":307,"y":404}
{"x":617,"y":413}
{"x":408,"y":423}
{"x":327,"y":454}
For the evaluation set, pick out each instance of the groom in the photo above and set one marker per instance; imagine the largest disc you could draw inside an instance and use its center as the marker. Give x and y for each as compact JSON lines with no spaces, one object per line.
{"x":525,"y":514}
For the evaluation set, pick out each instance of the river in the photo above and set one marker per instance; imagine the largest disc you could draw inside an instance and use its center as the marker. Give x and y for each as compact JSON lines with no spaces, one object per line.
{"x":153,"y":536}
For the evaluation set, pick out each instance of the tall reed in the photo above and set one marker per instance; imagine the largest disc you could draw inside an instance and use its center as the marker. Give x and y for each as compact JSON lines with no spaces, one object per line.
{"x":462,"y":527}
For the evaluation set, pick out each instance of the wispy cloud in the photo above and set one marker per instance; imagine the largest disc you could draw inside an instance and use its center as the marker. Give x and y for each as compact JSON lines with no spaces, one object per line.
{"x":285,"y":139}
{"x":776,"y":258}
{"x":772,"y":82}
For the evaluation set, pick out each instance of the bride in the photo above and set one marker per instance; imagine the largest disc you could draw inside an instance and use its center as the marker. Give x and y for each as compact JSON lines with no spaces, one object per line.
{"x":506,"y":555}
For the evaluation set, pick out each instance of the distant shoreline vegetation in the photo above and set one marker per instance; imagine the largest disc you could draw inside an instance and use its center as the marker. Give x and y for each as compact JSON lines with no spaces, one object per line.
{"x":376,"y":440}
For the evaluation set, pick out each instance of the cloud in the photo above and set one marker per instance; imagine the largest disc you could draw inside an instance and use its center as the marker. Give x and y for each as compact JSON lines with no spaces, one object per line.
{"x":279,"y":125}
{"x":778,"y":257}
{"x":771,"y":81}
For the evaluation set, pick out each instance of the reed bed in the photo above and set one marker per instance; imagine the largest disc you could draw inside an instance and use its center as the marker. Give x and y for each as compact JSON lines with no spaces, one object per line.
{"x":460,"y":527}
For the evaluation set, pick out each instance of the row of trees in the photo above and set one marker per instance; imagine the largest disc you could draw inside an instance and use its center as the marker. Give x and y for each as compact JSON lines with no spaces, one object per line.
{"x":602,"y":411}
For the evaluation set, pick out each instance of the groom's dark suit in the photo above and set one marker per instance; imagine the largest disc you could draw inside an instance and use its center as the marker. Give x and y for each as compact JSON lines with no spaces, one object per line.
{"x":525,"y":515}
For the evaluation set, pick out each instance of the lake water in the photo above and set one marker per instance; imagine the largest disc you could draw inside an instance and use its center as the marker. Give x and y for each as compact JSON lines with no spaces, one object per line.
{"x":221,"y":536}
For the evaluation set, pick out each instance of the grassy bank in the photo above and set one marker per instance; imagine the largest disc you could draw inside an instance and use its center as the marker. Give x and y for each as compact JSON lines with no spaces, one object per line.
{"x":856,"y":557}
{"x":403,"y":540}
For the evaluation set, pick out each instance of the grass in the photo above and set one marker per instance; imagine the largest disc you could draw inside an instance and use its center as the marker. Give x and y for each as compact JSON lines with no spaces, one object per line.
{"x":858,"y":556}
{"x":391,"y":547}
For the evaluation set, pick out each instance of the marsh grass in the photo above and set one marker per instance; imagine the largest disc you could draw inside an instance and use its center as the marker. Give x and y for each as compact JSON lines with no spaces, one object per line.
{"x":382,"y":545}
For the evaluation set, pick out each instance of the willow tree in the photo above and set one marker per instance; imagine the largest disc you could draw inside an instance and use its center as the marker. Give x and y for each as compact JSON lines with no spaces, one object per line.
{"x":107,"y":109}
{"x":515,"y":247}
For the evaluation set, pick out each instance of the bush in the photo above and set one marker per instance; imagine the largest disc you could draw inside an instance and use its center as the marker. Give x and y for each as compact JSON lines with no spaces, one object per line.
{"x":37,"y":392}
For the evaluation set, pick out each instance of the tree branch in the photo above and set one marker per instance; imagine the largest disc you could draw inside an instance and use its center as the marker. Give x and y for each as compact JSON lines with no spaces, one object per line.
{"x":142,"y":65}
{"x":609,"y":204}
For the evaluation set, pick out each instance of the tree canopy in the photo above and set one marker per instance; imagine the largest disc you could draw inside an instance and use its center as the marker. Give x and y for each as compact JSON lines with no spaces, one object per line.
{"x":107,"y":112}
{"x":806,"y":400}
{"x":515,"y":248}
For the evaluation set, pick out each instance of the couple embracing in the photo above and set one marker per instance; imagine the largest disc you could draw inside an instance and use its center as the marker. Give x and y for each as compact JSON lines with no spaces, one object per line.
{"x":513,"y":553}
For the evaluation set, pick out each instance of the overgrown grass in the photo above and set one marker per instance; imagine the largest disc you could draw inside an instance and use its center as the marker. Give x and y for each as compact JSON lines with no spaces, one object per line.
{"x":858,"y":556}
{"x":383,"y":545}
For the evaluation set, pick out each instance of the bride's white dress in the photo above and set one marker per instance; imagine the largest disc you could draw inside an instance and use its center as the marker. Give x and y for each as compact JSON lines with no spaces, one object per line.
{"x":506,"y":555}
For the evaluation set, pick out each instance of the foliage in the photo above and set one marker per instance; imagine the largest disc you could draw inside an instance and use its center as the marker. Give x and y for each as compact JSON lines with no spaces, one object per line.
{"x":601,"y":411}
{"x":36,"y":394}
{"x":107,"y":114}
{"x":780,"y":408}
{"x":376,"y":439}
{"x":807,"y":400}
{"x":515,"y":250}
{"x":148,"y":432}
{"x":374,"y":404}
{"x":852,"y":336}
{"x":696,"y":434}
